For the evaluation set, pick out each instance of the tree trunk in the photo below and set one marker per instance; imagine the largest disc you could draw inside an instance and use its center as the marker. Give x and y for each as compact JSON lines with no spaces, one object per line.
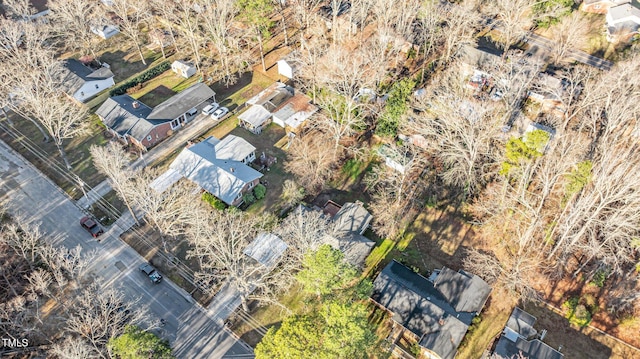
{"x":63,"y":154}
{"x":144,"y":62}
{"x":264,"y":67}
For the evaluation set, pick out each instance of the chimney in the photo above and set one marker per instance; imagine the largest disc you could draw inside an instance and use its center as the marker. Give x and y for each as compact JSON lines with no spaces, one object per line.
{"x":232,"y":169}
{"x":136,"y":104}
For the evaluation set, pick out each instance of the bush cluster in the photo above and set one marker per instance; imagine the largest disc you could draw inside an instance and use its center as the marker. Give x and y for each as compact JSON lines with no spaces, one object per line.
{"x":145,"y":76}
{"x":213,"y":201}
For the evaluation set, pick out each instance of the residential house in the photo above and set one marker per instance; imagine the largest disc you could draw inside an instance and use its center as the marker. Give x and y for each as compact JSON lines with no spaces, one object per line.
{"x":293,"y":114}
{"x":350,"y":221}
{"x":184,"y":69}
{"x":600,"y":6}
{"x":82,"y":82}
{"x":478,"y":62}
{"x":220,"y":167}
{"x":144,"y":127}
{"x":623,"y":21}
{"x":436,"y":312}
{"x":263,"y":105}
{"x":520,"y":340}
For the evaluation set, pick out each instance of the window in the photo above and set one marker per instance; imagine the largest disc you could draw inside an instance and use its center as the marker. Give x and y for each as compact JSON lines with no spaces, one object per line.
{"x":175,"y":124}
{"x":250,"y":185}
{"x":239,"y":195}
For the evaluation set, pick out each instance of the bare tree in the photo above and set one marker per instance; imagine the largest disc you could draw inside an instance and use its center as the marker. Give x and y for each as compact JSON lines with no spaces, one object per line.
{"x":187,"y":18}
{"x":393,"y":191}
{"x":112,"y":161}
{"x":132,"y":15}
{"x":341,"y":116}
{"x":515,"y":19}
{"x":72,"y":20}
{"x":292,"y":193}
{"x":217,"y":22}
{"x":310,"y":160}
{"x":72,"y":348}
{"x":461,"y":23}
{"x":571,"y":33}
{"x":304,"y":230}
{"x":219,"y":239}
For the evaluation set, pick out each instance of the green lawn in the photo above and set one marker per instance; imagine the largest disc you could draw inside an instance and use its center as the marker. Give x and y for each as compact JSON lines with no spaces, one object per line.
{"x":161,"y":88}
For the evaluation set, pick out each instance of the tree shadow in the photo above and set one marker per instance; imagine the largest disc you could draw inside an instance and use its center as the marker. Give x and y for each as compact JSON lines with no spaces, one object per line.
{"x":223,"y":91}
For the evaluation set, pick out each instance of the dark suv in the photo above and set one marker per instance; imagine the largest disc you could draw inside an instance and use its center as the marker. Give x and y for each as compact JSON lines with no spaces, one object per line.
{"x":151,"y":272}
{"x":91,"y":226}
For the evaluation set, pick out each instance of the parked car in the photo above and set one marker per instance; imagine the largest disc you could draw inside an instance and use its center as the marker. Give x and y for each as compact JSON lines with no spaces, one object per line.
{"x":220,"y":113}
{"x":91,"y":226}
{"x":151,"y":272}
{"x":192,"y":112}
{"x":208,"y":109}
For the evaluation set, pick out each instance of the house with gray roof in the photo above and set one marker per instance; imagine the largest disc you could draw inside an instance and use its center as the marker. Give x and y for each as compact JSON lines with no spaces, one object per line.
{"x":143,"y":126}
{"x":266,"y":249}
{"x":520,"y":340}
{"x":436,"y":312}
{"x":349,"y":224}
{"x":600,"y":6}
{"x":220,"y":167}
{"x":82,"y":82}
{"x":623,"y":21}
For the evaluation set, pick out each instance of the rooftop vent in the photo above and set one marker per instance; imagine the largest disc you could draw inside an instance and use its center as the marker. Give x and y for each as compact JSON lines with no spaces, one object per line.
{"x":135,"y":104}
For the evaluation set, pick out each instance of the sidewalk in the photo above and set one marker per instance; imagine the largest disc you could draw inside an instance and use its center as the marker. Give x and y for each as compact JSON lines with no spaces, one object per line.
{"x":192,"y":130}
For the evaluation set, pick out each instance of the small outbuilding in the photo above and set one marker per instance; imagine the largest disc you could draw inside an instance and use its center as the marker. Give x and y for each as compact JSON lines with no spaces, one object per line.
{"x":184,"y":69}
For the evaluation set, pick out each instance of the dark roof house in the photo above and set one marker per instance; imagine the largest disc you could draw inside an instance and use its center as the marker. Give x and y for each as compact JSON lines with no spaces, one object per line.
{"x":126,"y":116}
{"x":82,"y":82}
{"x":520,"y":338}
{"x":438,"y":310}
{"x":349,"y":224}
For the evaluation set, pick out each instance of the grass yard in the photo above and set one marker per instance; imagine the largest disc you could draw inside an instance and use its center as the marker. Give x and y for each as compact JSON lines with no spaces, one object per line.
{"x":45,"y":156}
{"x":162,"y":87}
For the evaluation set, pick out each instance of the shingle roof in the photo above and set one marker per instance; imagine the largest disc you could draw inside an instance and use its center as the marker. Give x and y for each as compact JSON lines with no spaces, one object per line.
{"x":223,"y":177}
{"x":75,"y":74}
{"x":118,"y":113}
{"x":180,"y":103}
{"x":266,"y":249}
{"x":515,"y":339}
{"x":352,"y":218}
{"x":355,"y":247}
{"x":418,"y":306}
{"x":466,"y":292}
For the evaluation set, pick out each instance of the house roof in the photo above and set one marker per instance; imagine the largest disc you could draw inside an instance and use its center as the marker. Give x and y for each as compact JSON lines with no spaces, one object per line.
{"x":479,"y":57}
{"x":355,"y":247}
{"x":222,"y":177}
{"x":75,"y":75}
{"x":352,"y":218}
{"x":619,"y":13}
{"x":180,"y":103}
{"x":296,"y":110}
{"x":418,"y":306}
{"x":515,"y":339}
{"x":466,"y":292}
{"x":182,"y":65}
{"x":256,"y":115}
{"x":266,"y":249}
{"x":273,"y":96}
{"x":119,"y":114}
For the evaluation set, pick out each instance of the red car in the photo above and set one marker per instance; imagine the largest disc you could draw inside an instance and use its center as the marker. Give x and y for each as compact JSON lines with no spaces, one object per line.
{"x":91,"y":226}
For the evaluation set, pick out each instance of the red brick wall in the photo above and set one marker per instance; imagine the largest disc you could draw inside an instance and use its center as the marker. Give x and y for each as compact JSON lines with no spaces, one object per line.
{"x":158,"y":133}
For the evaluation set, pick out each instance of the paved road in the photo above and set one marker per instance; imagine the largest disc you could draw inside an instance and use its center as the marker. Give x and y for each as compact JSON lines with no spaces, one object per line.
{"x":580,"y":56}
{"x":192,"y":332}
{"x":193,"y":129}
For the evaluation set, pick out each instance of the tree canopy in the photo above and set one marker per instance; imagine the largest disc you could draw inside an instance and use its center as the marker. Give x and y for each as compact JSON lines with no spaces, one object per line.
{"x":138,"y":344}
{"x":325,"y":270}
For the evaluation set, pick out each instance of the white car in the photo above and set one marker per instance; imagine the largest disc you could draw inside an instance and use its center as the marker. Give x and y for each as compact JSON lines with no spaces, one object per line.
{"x":220,"y":113}
{"x":208,"y":109}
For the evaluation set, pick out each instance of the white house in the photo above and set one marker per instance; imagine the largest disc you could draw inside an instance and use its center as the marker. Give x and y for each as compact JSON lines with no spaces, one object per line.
{"x":183,"y":68}
{"x":82,"y":82}
{"x":622,"y":21}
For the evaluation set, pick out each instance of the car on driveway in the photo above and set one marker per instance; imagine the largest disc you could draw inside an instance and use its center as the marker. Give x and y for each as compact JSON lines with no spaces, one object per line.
{"x":208,"y":109}
{"x":91,"y":226}
{"x":151,"y":272}
{"x":220,"y":113}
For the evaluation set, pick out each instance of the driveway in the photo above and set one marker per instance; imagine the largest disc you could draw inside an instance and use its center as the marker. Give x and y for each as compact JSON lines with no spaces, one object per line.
{"x":192,"y":332}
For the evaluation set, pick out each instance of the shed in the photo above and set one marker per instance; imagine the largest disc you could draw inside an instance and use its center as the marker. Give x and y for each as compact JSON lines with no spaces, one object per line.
{"x":255,"y":118}
{"x":184,"y":69}
{"x":266,"y":249}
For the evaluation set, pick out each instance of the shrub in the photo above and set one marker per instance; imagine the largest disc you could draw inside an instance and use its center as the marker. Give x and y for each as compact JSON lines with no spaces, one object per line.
{"x":577,"y":314}
{"x":213,"y":201}
{"x":145,"y":76}
{"x":260,"y":191}
{"x":248,"y":198}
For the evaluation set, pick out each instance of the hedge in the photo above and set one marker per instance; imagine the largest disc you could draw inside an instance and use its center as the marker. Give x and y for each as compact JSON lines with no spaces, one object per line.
{"x":145,"y":76}
{"x":213,"y":201}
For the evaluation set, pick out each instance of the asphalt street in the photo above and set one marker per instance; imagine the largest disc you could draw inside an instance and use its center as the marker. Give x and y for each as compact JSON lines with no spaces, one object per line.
{"x":192,"y":332}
